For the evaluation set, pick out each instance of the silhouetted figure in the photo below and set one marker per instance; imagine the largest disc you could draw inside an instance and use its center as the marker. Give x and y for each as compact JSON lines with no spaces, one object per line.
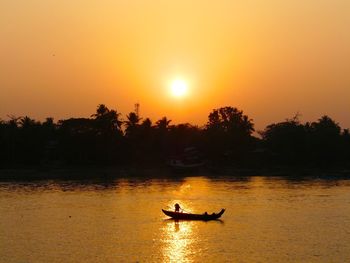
{"x":177,"y":207}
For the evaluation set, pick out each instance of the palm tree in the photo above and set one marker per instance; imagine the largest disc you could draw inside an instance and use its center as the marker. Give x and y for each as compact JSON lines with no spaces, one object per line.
{"x":107,"y":121}
{"x":146,"y":124}
{"x":163,"y":124}
{"x":26,"y":122}
{"x":100,"y":111}
{"x":132,"y":124}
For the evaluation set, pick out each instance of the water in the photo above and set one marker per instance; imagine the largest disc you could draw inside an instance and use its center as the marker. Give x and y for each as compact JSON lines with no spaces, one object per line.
{"x":266,"y":220}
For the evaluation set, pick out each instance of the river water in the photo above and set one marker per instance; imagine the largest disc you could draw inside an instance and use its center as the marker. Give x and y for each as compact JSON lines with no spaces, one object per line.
{"x":267,"y":219}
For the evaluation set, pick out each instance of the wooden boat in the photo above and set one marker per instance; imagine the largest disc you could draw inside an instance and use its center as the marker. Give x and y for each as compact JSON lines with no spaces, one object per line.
{"x":179,"y":165}
{"x":187,"y":216}
{"x":189,"y":160}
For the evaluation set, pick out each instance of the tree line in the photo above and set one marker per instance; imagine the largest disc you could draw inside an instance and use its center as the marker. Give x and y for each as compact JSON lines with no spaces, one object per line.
{"x":227,"y":138}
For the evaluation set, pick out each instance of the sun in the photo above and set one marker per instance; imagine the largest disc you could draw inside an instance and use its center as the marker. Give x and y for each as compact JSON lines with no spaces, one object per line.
{"x":179,"y":88}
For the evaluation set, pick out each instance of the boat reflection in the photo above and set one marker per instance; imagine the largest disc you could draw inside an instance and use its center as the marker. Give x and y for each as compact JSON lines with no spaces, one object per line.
{"x":177,"y":226}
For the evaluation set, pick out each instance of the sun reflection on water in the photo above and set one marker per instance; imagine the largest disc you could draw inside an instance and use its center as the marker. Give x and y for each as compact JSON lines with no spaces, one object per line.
{"x":178,"y":238}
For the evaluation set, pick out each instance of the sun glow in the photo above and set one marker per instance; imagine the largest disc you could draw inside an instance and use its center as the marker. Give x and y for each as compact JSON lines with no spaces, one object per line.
{"x":179,"y":88}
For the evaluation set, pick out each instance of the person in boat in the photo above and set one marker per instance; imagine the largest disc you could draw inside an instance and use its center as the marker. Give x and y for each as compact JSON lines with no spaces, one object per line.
{"x":177,"y":207}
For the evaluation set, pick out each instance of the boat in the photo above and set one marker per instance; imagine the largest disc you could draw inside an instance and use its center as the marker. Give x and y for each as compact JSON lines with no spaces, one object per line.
{"x":188,"y":216}
{"x":188,"y":160}
{"x":180,"y":165}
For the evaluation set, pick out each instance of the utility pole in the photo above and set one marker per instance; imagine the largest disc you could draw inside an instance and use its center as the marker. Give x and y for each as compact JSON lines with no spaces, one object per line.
{"x":137,"y":109}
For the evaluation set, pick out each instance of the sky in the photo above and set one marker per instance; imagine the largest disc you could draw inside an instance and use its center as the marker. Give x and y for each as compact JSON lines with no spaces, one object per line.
{"x":270,"y":58}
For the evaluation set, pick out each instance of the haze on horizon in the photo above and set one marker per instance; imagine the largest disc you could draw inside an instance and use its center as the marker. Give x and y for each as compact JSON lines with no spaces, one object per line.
{"x":269,"y":58}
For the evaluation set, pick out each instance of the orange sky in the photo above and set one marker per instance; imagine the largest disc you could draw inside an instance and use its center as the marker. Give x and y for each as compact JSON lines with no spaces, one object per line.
{"x":269,"y":58}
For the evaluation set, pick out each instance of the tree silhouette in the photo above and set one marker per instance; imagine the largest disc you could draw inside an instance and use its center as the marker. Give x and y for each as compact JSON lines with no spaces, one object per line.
{"x":132,"y":124}
{"x":161,"y":136}
{"x":287,"y":139}
{"x":9,"y":140}
{"x":226,"y":139}
{"x":109,"y":135}
{"x":230,"y":120}
{"x":325,"y":140}
{"x":182,"y":136}
{"x":107,"y":121}
{"x":147,"y":124}
{"x":163,"y":124}
{"x":228,"y":134}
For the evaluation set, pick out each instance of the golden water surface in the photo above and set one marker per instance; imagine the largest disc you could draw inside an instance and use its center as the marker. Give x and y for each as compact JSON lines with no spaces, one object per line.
{"x":266,"y":220}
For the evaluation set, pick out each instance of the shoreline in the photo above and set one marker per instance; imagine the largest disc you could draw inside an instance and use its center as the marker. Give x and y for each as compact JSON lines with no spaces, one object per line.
{"x":115,"y":172}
